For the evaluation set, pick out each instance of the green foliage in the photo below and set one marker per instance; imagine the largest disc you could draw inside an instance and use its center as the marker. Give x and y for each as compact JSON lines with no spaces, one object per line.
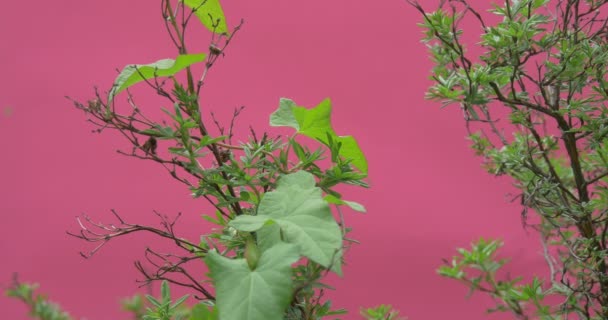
{"x":479,"y":268}
{"x":381,"y":312}
{"x":135,"y":305}
{"x":40,"y":307}
{"x":164,"y":308}
{"x":276,"y":237}
{"x":543,"y":66}
{"x":149,"y":307}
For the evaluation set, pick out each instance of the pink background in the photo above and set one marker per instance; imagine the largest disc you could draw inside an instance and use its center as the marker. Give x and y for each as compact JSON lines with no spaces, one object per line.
{"x":429,"y":194}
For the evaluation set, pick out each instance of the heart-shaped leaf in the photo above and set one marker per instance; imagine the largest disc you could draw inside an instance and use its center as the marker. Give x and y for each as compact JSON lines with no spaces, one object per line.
{"x":316,"y":123}
{"x":260,"y":294}
{"x":296,"y":213}
{"x":210,"y":13}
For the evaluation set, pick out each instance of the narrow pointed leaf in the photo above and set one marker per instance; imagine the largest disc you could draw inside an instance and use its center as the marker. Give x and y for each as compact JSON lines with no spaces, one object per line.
{"x":179,"y":301}
{"x":165,"y":292}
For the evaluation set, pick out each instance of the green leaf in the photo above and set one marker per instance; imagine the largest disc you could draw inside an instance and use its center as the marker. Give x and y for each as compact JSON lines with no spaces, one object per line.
{"x":249,"y":223}
{"x":284,"y":115}
{"x":179,"y":301}
{"x":353,"y":205}
{"x":260,"y":294}
{"x":210,"y":13}
{"x":153,"y":301}
{"x":135,"y":73}
{"x":152,"y":132}
{"x":350,"y":150}
{"x":207,"y":140}
{"x":269,"y":236}
{"x":303,"y":218}
{"x":252,"y":253}
{"x":165,"y":292}
{"x":316,"y":123}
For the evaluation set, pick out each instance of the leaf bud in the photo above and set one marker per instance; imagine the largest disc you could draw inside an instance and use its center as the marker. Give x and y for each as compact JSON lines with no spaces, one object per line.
{"x":252,"y":253}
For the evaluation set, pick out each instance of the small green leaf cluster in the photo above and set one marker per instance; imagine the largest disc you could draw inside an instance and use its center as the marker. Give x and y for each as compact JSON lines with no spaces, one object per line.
{"x":149,"y":307}
{"x":40,"y":307}
{"x":134,"y":305}
{"x":381,"y":312}
{"x":164,"y":308}
{"x":479,"y":268}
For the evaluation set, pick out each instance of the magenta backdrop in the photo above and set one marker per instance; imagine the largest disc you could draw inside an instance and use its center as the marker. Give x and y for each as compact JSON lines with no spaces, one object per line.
{"x":429,"y":194}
